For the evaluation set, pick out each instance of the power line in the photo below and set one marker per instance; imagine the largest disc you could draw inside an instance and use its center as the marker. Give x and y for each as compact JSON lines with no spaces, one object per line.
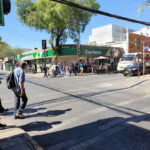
{"x":100,"y":12}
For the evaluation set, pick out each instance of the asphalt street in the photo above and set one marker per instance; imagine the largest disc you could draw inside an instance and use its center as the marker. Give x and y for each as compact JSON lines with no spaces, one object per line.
{"x":98,"y":112}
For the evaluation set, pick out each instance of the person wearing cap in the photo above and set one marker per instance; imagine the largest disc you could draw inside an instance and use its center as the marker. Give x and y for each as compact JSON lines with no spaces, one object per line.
{"x":19,"y":91}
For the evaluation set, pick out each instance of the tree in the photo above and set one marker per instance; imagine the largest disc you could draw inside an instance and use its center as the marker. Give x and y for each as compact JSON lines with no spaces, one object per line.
{"x":3,"y":48}
{"x":60,"y":21}
{"x":146,"y":3}
{"x":7,"y":51}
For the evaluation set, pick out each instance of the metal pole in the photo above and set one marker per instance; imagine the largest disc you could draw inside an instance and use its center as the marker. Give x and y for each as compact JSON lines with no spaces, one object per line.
{"x":78,"y":48}
{"x":44,"y":56}
{"x":143,"y":60}
{"x":138,"y":62}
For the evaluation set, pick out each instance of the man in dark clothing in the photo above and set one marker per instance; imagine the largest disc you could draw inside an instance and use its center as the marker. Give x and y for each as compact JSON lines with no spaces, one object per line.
{"x":72,"y":69}
{"x":45,"y":71}
{"x":76,"y":69}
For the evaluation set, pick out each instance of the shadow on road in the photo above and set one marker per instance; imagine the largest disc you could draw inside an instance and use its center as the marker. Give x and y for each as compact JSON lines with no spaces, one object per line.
{"x":51,"y":113}
{"x":85,"y":97}
{"x":106,"y":134}
{"x":33,"y":110}
{"x":39,"y":126}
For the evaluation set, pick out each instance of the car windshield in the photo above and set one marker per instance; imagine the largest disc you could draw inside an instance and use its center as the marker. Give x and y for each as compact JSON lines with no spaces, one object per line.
{"x":127,"y":57}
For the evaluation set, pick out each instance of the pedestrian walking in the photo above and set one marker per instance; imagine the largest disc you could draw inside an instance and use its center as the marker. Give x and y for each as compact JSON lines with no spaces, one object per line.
{"x":54,"y":70}
{"x":67,"y":70}
{"x":81,"y":67}
{"x":61,"y":67}
{"x":48,"y":68}
{"x":72,"y":69}
{"x":19,"y":91}
{"x":41,"y":68}
{"x":35,"y":68}
{"x":76,"y":69}
{"x":45,"y":71}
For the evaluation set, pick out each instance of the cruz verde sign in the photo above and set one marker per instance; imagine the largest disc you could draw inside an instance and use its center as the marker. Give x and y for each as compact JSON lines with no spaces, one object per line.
{"x":87,"y":52}
{"x":1,"y":13}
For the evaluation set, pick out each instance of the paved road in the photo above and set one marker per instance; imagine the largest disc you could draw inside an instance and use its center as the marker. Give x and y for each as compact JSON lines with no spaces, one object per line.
{"x":104,"y":112}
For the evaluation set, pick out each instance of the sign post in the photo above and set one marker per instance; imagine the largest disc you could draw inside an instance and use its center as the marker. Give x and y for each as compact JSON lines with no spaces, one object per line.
{"x":1,"y":13}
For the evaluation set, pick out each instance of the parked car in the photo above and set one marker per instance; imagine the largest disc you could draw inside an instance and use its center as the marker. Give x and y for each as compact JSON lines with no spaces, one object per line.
{"x":133,"y":69}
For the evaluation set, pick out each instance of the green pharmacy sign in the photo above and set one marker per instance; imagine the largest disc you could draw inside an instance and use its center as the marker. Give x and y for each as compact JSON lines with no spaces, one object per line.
{"x":1,"y":13}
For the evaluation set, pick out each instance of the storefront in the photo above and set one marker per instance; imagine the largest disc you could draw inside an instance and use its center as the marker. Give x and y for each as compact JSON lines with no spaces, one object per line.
{"x":69,"y":54}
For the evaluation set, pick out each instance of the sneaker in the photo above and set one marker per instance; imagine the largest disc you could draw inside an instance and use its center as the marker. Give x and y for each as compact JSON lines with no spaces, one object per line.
{"x":19,"y":116}
{"x":2,"y":126}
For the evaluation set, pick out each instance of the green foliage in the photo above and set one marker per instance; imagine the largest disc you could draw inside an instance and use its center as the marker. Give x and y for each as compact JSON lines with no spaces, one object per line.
{"x":7,"y":51}
{"x":145,"y":3}
{"x":59,"y":20}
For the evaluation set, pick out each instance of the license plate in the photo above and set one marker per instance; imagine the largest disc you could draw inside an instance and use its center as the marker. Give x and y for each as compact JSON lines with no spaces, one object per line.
{"x":126,"y":72}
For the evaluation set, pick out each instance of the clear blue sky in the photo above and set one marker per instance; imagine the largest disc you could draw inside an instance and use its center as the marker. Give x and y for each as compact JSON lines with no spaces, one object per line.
{"x":18,"y":35}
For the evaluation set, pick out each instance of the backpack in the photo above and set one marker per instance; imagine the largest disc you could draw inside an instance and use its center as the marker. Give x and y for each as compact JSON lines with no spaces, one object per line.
{"x":10,"y":81}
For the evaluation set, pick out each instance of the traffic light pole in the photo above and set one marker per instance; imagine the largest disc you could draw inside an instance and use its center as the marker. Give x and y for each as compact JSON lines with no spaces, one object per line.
{"x":78,"y":48}
{"x":45,"y":56}
{"x":138,"y":62}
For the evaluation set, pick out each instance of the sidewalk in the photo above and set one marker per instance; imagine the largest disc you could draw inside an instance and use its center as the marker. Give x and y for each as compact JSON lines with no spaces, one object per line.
{"x":40,"y":75}
{"x":13,"y":138}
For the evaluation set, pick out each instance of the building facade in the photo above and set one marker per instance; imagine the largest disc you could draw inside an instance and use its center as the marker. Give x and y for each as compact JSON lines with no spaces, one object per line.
{"x":109,"y":34}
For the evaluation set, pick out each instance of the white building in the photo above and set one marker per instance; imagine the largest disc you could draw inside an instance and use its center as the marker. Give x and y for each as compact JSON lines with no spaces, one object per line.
{"x":144,"y":31}
{"x":109,"y":34}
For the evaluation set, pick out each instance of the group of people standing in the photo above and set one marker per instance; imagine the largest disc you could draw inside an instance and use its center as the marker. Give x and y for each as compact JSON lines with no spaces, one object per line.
{"x":61,"y":69}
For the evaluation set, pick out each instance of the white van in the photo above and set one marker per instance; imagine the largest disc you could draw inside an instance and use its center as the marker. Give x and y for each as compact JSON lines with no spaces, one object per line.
{"x":126,"y":60}
{"x":129,"y":59}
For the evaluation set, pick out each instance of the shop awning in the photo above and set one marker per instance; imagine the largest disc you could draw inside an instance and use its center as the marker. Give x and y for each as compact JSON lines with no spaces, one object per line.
{"x":27,"y":58}
{"x":101,"y":57}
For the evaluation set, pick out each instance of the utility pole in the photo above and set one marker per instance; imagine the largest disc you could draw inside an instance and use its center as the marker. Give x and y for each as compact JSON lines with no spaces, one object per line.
{"x":143,"y":59}
{"x":78,"y":48}
{"x":137,"y":44}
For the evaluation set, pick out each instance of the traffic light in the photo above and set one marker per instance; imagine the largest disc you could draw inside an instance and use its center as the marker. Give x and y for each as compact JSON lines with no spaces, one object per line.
{"x":137,"y":42}
{"x":6,"y":6}
{"x":45,"y":53}
{"x":44,"y":46}
{"x":79,"y":52}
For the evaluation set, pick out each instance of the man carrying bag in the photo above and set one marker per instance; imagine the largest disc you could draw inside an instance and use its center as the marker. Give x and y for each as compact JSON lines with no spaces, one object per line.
{"x":19,"y":91}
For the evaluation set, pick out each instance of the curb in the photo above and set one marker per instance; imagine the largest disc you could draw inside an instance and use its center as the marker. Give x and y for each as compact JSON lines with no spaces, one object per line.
{"x":12,"y":136}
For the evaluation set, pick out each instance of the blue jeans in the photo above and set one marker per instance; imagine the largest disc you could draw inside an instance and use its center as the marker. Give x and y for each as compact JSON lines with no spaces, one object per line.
{"x":20,"y":108}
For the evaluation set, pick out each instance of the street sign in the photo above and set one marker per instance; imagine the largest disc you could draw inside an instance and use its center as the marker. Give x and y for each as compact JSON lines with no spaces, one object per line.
{"x":1,"y":13}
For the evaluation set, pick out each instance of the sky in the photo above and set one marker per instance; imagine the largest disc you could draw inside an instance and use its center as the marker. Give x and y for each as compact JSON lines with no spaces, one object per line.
{"x":19,"y":35}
